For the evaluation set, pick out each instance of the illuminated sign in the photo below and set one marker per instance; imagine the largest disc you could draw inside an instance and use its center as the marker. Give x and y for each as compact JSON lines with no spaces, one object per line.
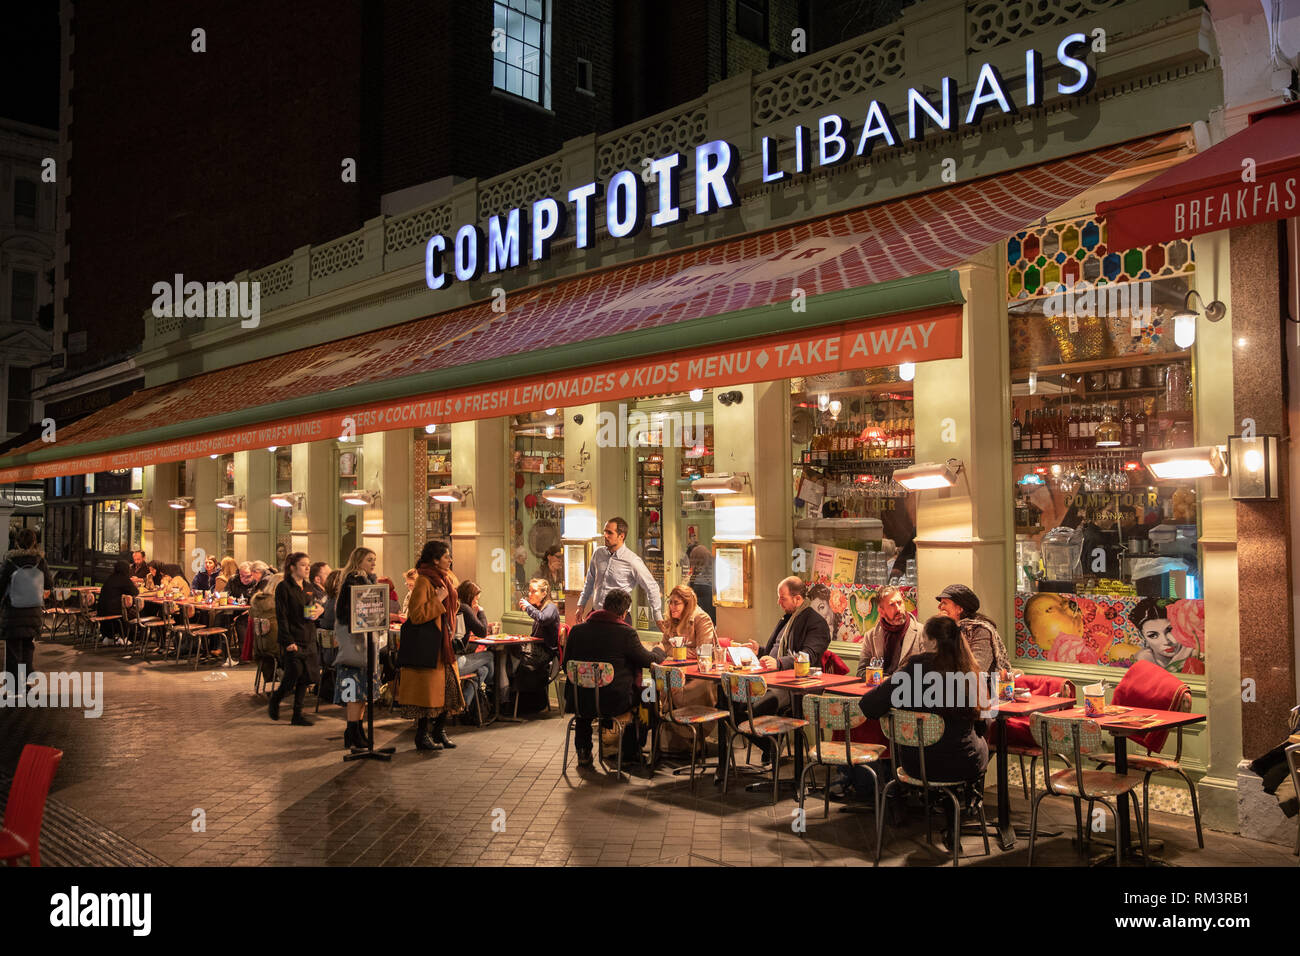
{"x":521,"y":235}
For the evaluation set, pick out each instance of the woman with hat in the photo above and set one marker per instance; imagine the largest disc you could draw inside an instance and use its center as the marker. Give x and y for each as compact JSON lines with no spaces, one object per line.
{"x":962,"y":605}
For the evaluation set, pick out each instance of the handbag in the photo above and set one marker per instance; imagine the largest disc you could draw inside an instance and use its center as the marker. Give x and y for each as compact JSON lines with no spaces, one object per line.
{"x":421,"y":644}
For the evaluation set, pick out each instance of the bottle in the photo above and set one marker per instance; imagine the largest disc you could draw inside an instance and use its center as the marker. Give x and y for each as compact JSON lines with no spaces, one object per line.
{"x":1072,"y":430}
{"x":1126,"y":422}
{"x":1015,"y":431}
{"x":1140,"y":427}
{"x":1049,"y":431}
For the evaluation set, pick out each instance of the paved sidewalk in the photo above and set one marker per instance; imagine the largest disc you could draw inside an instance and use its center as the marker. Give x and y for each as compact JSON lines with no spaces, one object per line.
{"x":176,"y":747}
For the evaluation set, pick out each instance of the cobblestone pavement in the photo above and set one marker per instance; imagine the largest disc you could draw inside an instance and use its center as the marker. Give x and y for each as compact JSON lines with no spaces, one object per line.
{"x":173,"y":742}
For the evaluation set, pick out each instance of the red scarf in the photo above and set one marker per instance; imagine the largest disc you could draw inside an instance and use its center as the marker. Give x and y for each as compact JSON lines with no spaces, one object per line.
{"x":438,"y":579}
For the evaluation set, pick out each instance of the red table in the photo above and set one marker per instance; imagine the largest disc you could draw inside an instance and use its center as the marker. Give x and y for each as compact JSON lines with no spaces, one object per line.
{"x":1020,"y":707}
{"x":499,"y":644}
{"x":1121,"y":727}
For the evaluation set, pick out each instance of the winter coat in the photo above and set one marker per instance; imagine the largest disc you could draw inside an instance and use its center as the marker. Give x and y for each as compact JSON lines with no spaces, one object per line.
{"x":21,"y":623}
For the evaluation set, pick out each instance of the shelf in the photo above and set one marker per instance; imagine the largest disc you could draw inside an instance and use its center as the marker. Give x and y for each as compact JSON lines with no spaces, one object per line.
{"x":1101,"y":365}
{"x":890,"y":463}
{"x":1035,"y":457}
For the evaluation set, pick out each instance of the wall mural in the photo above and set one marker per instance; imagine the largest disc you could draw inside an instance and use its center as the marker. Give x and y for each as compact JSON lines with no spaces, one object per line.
{"x":1112,"y":631}
{"x":850,"y":610}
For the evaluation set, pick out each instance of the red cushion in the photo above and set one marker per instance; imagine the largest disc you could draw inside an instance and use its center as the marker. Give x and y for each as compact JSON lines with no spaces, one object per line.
{"x":1018,"y":731}
{"x":832,"y":664}
{"x":1045,"y":685}
{"x":1150,"y":685}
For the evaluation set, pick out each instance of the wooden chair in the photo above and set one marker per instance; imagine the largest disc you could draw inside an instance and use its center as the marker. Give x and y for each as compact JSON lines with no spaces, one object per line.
{"x":198,"y":635}
{"x":115,"y":620}
{"x":262,"y":627}
{"x":1077,"y":737}
{"x":772,"y":730}
{"x":918,"y":730}
{"x":828,"y":713}
{"x":694,"y":717}
{"x":25,"y":811}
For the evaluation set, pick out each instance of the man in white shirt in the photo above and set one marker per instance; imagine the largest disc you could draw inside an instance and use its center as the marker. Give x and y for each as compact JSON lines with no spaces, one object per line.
{"x":616,"y":568}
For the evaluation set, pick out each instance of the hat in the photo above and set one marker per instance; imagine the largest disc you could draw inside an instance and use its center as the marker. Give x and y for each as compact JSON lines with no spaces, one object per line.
{"x":961,"y":596}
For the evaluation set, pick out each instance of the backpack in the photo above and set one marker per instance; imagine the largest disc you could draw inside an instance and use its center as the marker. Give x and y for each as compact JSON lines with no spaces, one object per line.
{"x":27,"y":586}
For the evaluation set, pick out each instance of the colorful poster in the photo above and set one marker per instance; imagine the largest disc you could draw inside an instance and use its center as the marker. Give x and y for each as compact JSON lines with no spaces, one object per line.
{"x":850,"y":610}
{"x":845,"y":567}
{"x":1112,"y":631}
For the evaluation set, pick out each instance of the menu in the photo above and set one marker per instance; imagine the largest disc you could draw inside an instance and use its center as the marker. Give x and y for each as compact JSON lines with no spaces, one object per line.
{"x":369,"y":608}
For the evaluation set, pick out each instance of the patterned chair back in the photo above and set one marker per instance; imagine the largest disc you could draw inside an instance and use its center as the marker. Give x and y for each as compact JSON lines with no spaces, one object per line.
{"x":589,"y":674}
{"x":830,"y":712}
{"x":666,"y":680}
{"x":1070,"y":737}
{"x":915,"y":729}
{"x":89,"y":599}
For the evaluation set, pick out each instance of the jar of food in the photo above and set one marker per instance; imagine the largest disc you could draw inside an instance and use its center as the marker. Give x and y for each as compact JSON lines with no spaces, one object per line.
{"x":1133,"y":377}
{"x":1115,"y":378}
{"x":1156,"y":375}
{"x":1177,"y":389}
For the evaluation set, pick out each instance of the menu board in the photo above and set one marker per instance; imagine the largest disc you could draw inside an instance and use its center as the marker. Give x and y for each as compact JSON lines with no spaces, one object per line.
{"x":575,"y":566}
{"x":369,"y":608}
{"x":731,"y":574}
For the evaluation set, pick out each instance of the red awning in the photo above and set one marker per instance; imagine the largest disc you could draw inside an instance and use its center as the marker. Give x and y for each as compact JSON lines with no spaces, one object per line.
{"x":907,"y":237}
{"x":1253,"y":176}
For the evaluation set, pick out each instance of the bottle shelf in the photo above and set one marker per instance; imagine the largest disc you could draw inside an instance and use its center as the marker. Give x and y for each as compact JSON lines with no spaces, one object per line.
{"x":1037,"y":457}
{"x":861,"y":466}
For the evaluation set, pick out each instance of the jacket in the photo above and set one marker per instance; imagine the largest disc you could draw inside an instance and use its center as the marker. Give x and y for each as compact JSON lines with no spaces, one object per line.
{"x":291,"y":624}
{"x":424,"y":608}
{"x":985,"y":644}
{"x":697,"y":630}
{"x":204,"y":581}
{"x":874,"y":645}
{"x":473,"y":623}
{"x":546,"y":624}
{"x":960,"y":754}
{"x":111,"y":592}
{"x":21,"y":623}
{"x":604,"y":637}
{"x":809,"y":633}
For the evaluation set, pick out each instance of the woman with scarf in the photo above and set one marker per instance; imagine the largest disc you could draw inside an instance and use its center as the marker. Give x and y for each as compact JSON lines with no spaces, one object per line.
{"x":687,"y":620}
{"x":962,"y":605}
{"x":428,"y":685}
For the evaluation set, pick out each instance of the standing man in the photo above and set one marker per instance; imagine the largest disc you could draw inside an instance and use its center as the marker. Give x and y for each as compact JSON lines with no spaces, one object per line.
{"x":616,"y":568}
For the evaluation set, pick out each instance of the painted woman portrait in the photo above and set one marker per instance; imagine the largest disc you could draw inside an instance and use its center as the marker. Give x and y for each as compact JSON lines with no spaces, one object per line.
{"x":1171,"y":633}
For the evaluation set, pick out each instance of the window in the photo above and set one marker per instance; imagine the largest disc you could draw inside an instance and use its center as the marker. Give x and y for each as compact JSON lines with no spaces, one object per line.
{"x":584,"y":76}
{"x":751,"y":20}
{"x":19,"y":413}
{"x":25,"y":202}
{"x":537,"y":463}
{"x":521,"y":49}
{"x":22,"y":297}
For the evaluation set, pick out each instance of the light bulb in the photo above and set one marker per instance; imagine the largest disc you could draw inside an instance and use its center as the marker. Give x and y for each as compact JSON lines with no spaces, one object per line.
{"x":550,"y":411}
{"x":907,"y":371}
{"x":550,"y":431}
{"x":212,"y":456}
{"x":270,"y":448}
{"x":1253,"y":460}
{"x":1033,"y":383}
{"x":1184,"y":330}
{"x":823,"y":401}
{"x":697,"y":394}
{"x":835,"y":407}
{"x":430,"y":428}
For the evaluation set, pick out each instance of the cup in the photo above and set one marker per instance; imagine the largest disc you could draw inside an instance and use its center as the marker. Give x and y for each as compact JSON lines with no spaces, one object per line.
{"x":1006,"y":686}
{"x":801,"y":665}
{"x":678,"y":648}
{"x":705,"y":664}
{"x":1094,"y":700}
{"x":814,"y":672}
{"x":494,"y":629}
{"x":875,"y":675}
{"x":308,"y":611}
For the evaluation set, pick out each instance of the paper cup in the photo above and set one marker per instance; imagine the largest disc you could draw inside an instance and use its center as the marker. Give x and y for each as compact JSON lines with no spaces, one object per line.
{"x":875,"y":675}
{"x":1094,"y":700}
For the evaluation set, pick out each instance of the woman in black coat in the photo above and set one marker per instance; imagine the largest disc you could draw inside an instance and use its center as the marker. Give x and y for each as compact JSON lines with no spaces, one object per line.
{"x":111,"y":592}
{"x":296,"y":631}
{"x":20,"y":626}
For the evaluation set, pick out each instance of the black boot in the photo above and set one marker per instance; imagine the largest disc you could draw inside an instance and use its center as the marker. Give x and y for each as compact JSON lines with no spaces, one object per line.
{"x":273,"y":705}
{"x":422,"y":739}
{"x":440,"y":733}
{"x":298,"y":719}
{"x":352,"y":737}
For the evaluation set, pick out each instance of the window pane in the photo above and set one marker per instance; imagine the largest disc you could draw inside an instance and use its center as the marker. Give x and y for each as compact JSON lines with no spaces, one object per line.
{"x":515,"y":80}
{"x":499,"y":11}
{"x":499,"y":74}
{"x":532,"y":61}
{"x":533,"y":32}
{"x":517,"y":4}
{"x":23,"y":298}
{"x":535,"y":9}
{"x":515,"y":25}
{"x":24,"y":199}
{"x":530,"y":86}
{"x":514,"y":52}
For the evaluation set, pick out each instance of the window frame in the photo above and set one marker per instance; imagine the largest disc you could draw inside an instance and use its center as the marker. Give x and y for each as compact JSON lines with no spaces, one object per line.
{"x":502,"y":64}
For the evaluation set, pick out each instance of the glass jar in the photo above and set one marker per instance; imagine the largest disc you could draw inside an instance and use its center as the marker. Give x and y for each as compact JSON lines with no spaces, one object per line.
{"x":1177,"y":388}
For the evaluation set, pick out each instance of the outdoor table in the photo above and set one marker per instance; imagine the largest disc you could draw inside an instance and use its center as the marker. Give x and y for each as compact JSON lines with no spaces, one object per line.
{"x":1021,"y":707}
{"x":499,"y":644}
{"x":211,"y":607}
{"x":1135,"y":720}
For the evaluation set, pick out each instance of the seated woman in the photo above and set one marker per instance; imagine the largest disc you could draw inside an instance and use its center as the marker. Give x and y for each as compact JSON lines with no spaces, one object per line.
{"x":962,"y":752}
{"x":471,"y":623}
{"x":228,"y":572}
{"x":685,"y":619}
{"x":206,"y":580}
{"x":532,"y":670}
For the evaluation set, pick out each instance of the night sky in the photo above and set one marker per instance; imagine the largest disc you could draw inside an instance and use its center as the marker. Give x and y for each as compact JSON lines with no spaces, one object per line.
{"x":29,"y":62}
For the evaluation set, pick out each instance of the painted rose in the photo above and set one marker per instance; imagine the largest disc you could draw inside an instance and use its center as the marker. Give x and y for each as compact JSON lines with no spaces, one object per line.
{"x":1071,"y":649}
{"x":839,"y":602}
{"x":1188,"y":619}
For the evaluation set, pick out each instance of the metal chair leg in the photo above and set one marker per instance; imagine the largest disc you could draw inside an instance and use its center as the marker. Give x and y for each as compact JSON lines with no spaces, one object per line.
{"x":1024,"y":785}
{"x":1142,"y":831}
{"x":1078,"y":821}
{"x":1033,"y":824}
{"x":695,"y":743}
{"x":776,"y":771}
{"x":564,"y":767}
{"x":1196,"y":810}
{"x":826,"y":793}
{"x":880,"y":818}
{"x":956,"y":826}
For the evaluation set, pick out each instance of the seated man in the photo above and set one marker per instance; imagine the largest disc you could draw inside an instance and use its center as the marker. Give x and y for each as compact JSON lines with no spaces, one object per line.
{"x":139,"y":568}
{"x":243,"y":586}
{"x":603,"y":636}
{"x":801,"y":629}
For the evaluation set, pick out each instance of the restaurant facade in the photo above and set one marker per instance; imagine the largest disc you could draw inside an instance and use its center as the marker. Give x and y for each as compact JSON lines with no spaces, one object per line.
{"x":858,"y":318}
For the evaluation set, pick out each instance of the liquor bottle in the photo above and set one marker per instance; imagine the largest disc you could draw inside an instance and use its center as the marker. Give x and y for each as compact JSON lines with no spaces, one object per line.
{"x":1140,"y":427}
{"x":1015,"y":431}
{"x":1126,"y":422}
{"x":1034,"y":438}
{"x":1072,"y":430}
{"x":1049,"y":432}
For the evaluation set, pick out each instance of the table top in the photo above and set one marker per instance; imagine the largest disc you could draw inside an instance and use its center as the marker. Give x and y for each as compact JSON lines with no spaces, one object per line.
{"x":693,"y":670}
{"x":505,"y":639}
{"x":854,"y":689}
{"x":84,"y":587}
{"x":1136,"y":720}
{"x":1033,"y":704}
{"x":788,"y":681}
{"x":205,"y":606}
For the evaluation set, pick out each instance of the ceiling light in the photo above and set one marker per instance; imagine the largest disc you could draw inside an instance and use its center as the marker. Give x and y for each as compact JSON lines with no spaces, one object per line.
{"x":1109,"y":433}
{"x":359,"y":498}
{"x":551,"y":411}
{"x":450,"y":494}
{"x":721,"y":483}
{"x":929,"y":475}
{"x":836,"y":407}
{"x":823,"y":401}
{"x":567,"y":493}
{"x":550,"y":431}
{"x":180,"y":504}
{"x":1172,"y":464}
{"x":230,"y":502}
{"x":907,"y":371}
{"x":271,"y":448}
{"x":697,"y":394}
{"x":133,"y":504}
{"x":430,"y":428}
{"x":212,"y":456}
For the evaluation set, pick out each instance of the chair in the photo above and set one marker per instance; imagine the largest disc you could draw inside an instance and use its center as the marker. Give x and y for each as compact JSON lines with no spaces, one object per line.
{"x":1020,"y":738}
{"x":1075,"y":737}
{"x":1150,"y":685}
{"x":593,"y":675}
{"x":769,"y":730}
{"x":94,"y":619}
{"x":20,"y":835}
{"x":918,"y":730}
{"x":154,"y":627}
{"x":828,"y":713}
{"x":262,"y":627}
{"x":668,"y":679}
{"x":59,"y":616}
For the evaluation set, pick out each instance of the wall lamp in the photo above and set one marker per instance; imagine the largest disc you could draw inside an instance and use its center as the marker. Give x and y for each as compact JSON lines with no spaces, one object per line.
{"x":1185,"y":318}
{"x":734,"y":397}
{"x":230,"y":502}
{"x":928,"y":475}
{"x":721,"y":483}
{"x":360,"y":498}
{"x":1174,"y":464}
{"x":1252,"y":467}
{"x":138,"y":505}
{"x":180,"y":504}
{"x":567,"y":493}
{"x":288,"y":499}
{"x":451,"y":494}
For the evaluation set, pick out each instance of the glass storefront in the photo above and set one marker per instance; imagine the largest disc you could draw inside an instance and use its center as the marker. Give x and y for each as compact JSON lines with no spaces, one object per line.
{"x":535,"y":525}
{"x":226,"y":518}
{"x":347,"y":466}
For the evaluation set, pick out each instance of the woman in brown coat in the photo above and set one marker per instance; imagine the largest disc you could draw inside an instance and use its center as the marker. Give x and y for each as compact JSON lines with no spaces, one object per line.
{"x":685,"y":619}
{"x":428,"y":684}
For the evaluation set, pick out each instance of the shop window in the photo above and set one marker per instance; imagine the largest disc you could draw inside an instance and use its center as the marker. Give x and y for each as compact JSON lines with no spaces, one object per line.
{"x":22,"y":296}
{"x":854,"y":526}
{"x":537,"y":525}
{"x":347,"y":462}
{"x":24,"y":202}
{"x":283,"y":482}
{"x":521,"y":49}
{"x":1102,"y":549}
{"x":436,"y":454}
{"x":226,"y":518}
{"x":671,"y":442}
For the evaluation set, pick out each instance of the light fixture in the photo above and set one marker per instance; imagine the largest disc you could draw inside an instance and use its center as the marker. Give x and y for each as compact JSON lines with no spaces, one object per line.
{"x":288,"y":499}
{"x":733,"y":397}
{"x":450,"y":494}
{"x":359,"y":498}
{"x":1110,"y":434}
{"x":835,"y":408}
{"x":1172,"y":464}
{"x":180,"y":504}
{"x":697,"y":394}
{"x":823,"y":401}
{"x":272,"y":448}
{"x":577,"y":419}
{"x":1029,"y":478}
{"x":430,"y":428}
{"x":721,"y":483}
{"x":907,"y":371}
{"x":550,"y":431}
{"x":1033,"y":383}
{"x":550,"y":411}
{"x":230,"y":502}
{"x":929,"y":475}
{"x":134,"y":504}
{"x":213,"y":457}
{"x":1185,"y":318}
{"x":567,"y":493}
{"x":1252,"y":472}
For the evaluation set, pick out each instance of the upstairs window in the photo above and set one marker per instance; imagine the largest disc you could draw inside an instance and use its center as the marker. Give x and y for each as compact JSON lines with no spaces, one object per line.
{"x":521,"y":49}
{"x":24,"y":202}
